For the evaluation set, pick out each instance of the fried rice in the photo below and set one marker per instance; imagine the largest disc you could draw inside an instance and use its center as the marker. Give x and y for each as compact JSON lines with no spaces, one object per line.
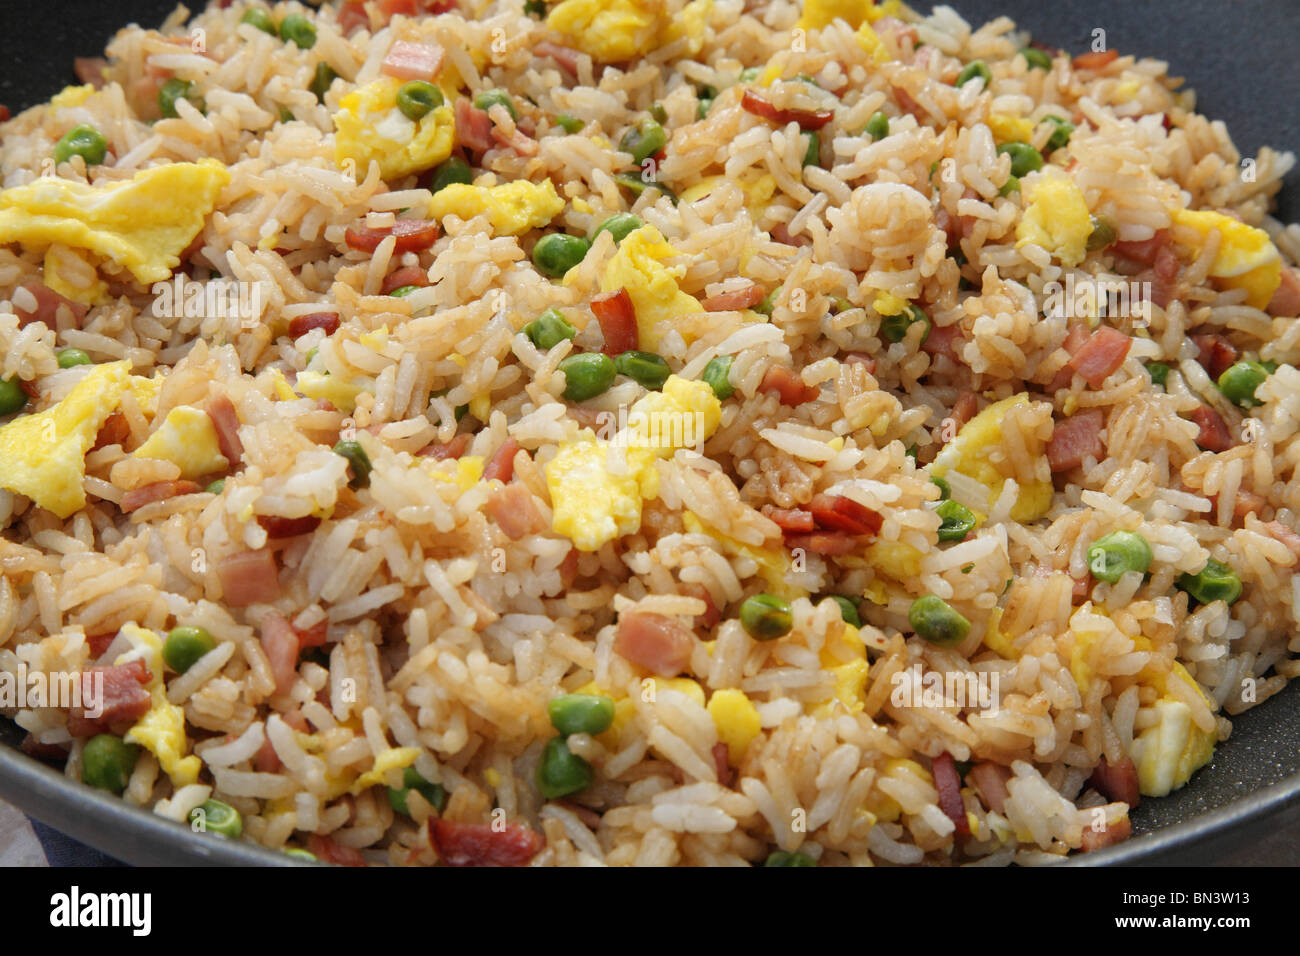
{"x":992,"y":343}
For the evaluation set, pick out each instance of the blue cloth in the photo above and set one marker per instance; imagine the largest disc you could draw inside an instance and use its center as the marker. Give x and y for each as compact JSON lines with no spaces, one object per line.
{"x":62,"y":850}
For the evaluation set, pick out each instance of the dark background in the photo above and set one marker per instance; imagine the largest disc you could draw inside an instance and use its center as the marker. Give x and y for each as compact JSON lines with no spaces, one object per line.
{"x":1243,"y":59}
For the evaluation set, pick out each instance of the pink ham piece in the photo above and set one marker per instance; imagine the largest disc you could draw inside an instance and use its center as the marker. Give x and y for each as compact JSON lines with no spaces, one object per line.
{"x":1286,"y":300}
{"x":502,"y":464}
{"x":990,"y":780}
{"x":659,"y":644}
{"x":278,"y":527}
{"x":565,"y":57}
{"x":515,"y":139}
{"x":1215,"y":352}
{"x":47,"y":307}
{"x":473,"y":126}
{"x":1284,"y":534}
{"x":788,"y":387}
{"x":124,"y":699}
{"x":793,"y":520}
{"x":1075,"y":439}
{"x":838,"y":513}
{"x":226,"y":423}
{"x":329,"y":850}
{"x":948,"y":783}
{"x":1117,"y":781}
{"x":409,"y":235}
{"x":1214,"y":433}
{"x":743,"y":298}
{"x":617,"y":317}
{"x":1117,"y":832}
{"x":300,"y":325}
{"x":483,"y":844}
{"x":413,"y":61}
{"x":407,"y":275}
{"x":828,"y":544}
{"x":280,"y":644}
{"x":754,"y":102}
{"x":944,"y":340}
{"x":249,"y":577}
{"x":453,"y":449}
{"x":513,"y":509}
{"x":1099,"y":357}
{"x":158,"y":491}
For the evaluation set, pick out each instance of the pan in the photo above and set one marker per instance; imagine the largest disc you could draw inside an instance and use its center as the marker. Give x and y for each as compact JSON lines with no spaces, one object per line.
{"x":1243,"y":61}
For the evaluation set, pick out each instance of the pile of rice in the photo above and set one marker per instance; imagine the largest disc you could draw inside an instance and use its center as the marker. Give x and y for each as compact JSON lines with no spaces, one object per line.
{"x":445,"y":638}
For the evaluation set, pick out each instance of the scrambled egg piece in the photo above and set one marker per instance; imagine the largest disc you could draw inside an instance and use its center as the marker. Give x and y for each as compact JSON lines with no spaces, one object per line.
{"x":43,"y":455}
{"x":142,"y":224}
{"x":820,"y":13}
{"x":593,"y":504}
{"x":188,"y":439}
{"x":370,"y":127}
{"x":737,"y":721}
{"x":394,"y":758}
{"x":469,"y":469}
{"x":1056,"y":218}
{"x":757,"y":187}
{"x":900,"y":561}
{"x":72,"y":96}
{"x":1247,"y":258}
{"x":512,"y":208}
{"x":884,"y":807}
{"x":610,"y":31}
{"x":161,"y":731}
{"x":773,"y":563}
{"x":638,"y":266}
{"x":886,"y":303}
{"x":970,"y":453}
{"x":1010,"y":129}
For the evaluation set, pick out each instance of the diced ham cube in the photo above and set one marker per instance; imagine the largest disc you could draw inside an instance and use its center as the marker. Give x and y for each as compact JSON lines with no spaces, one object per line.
{"x":483,"y":844}
{"x":945,"y":341}
{"x":1214,"y":435}
{"x":249,"y":577}
{"x":1216,"y":353}
{"x":407,"y":275}
{"x":617,"y":317}
{"x":453,"y":449}
{"x":473,"y":126}
{"x":158,"y":491}
{"x":280,"y":644}
{"x":1117,"y":832}
{"x":1095,"y":60}
{"x":225,"y":421}
{"x":47,"y":306}
{"x":787,"y":386}
{"x":736,"y":299}
{"x":1286,"y":300}
{"x":501,"y":466}
{"x":329,"y":850}
{"x":1286,"y":535}
{"x":513,"y":509}
{"x":990,"y":780}
{"x":277,"y":527}
{"x":659,"y":644}
{"x":300,"y":325}
{"x":413,"y":61}
{"x":828,"y":544}
{"x":122,"y":697}
{"x":948,"y":783}
{"x":1075,"y":439}
{"x":409,"y":235}
{"x":1099,"y":357}
{"x":790,"y":519}
{"x":838,"y":513}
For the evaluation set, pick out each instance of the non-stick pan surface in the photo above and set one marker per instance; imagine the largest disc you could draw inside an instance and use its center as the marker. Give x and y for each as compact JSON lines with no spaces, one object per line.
{"x":1243,"y":59}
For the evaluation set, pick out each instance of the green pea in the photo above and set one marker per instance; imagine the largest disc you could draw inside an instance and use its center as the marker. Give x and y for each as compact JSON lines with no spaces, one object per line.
{"x":549,"y":329}
{"x":297,"y":29}
{"x":619,"y":225}
{"x":1036,"y":58}
{"x":1024,"y":158}
{"x":848,"y":610}
{"x":636,"y":185}
{"x":1239,"y":381}
{"x":217,"y":817}
{"x":435,"y":794}
{"x":286,"y":116}
{"x":556,"y":253}
{"x":454,"y":170}
{"x":877,"y":126}
{"x":12,"y":396}
{"x":894,"y":327}
{"x":216,"y":487}
{"x":560,"y":771}
{"x":645,"y":368}
{"x":1112,"y":555}
{"x":715,"y":376}
{"x":1060,"y":135}
{"x":658,"y":112}
{"x":486,"y":99}
{"x":703,"y":106}
{"x":749,"y":74}
{"x":257,"y":17}
{"x":184,"y":646}
{"x":769,"y":301}
{"x":975,"y":68}
{"x":813,"y":154}
{"x":1214,"y":582}
{"x":325,"y":75}
{"x":782,"y":858}
{"x":1102,"y":235}
{"x":581,"y":713}
{"x":71,"y":358}
{"x":934,"y":620}
{"x":404,"y":290}
{"x":958,"y":521}
{"x":643,"y":140}
{"x":587,"y":375}
{"x":297,"y":853}
{"x":945,"y":490}
{"x":358,"y":461}
{"x":568,"y":123}
{"x":174,"y":90}
{"x":1012,"y":185}
{"x":1159,"y":373}
{"x":766,"y":617}
{"x":107,"y":762}
{"x":418,"y":98}
{"x":535,"y":8}
{"x":911,"y":451}
{"x":84,"y":141}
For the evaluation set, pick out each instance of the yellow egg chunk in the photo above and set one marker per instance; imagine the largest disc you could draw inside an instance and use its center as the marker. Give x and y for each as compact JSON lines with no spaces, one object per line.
{"x":43,"y":455}
{"x":1247,"y":258}
{"x":146,"y":391}
{"x":1056,"y":218}
{"x":142,"y":224}
{"x":394,"y":758}
{"x":610,"y":31}
{"x":1168,"y":753}
{"x":369,"y":126}
{"x":971,"y":454}
{"x":592,"y":504}
{"x":737,"y":721}
{"x":1010,"y":129}
{"x":335,"y":390}
{"x":820,"y":13}
{"x":72,"y":96}
{"x":639,"y":267}
{"x":512,"y":208}
{"x":188,"y":439}
{"x":162,"y":732}
{"x":684,"y":413}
